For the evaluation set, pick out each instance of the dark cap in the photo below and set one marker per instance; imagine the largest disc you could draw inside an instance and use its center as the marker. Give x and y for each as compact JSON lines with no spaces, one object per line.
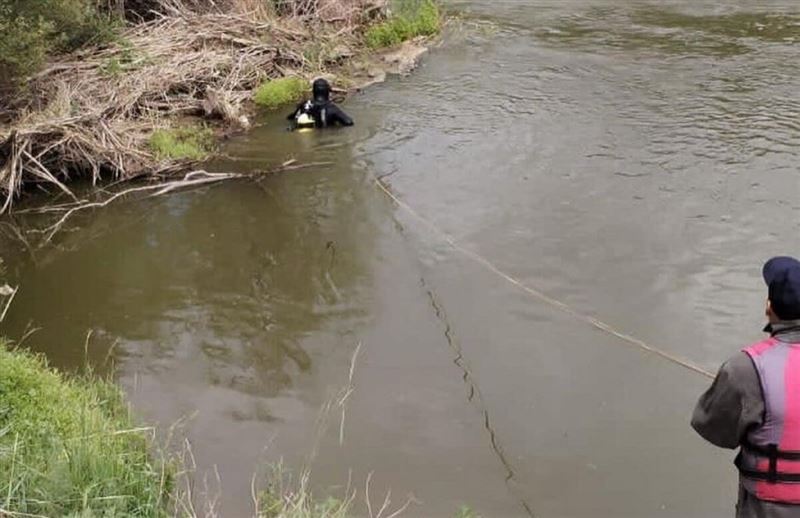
{"x":782,"y":275}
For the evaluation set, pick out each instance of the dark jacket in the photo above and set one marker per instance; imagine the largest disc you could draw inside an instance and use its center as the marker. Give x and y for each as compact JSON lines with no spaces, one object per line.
{"x":734,"y":404}
{"x":324,"y":112}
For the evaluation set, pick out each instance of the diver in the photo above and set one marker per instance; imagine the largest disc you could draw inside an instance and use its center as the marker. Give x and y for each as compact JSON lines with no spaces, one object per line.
{"x":320,"y":111}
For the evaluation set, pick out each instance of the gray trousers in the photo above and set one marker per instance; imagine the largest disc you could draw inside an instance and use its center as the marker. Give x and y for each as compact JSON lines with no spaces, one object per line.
{"x":749,"y":506}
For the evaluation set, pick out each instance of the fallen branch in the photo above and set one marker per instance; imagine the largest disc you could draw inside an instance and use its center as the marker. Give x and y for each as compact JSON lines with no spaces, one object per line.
{"x":10,"y":293}
{"x":189,"y":180}
{"x":155,"y":190}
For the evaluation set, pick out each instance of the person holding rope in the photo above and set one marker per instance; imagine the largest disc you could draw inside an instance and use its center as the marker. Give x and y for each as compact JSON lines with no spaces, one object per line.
{"x":754,"y":404}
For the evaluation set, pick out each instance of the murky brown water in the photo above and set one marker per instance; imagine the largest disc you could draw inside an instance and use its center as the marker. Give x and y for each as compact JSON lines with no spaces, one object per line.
{"x":634,"y":160}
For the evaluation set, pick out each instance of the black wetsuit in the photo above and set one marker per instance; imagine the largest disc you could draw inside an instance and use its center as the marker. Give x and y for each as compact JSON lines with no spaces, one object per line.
{"x":321,"y":109}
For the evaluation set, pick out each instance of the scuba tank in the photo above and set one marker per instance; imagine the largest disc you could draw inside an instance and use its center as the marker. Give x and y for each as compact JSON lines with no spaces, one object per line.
{"x":304,"y":120}
{"x":314,"y":113}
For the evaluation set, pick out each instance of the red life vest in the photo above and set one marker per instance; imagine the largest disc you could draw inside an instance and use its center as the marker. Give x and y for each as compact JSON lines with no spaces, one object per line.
{"x":769,"y":461}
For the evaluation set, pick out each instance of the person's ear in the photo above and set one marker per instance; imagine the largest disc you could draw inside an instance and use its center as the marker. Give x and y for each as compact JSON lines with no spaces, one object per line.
{"x":768,"y":310}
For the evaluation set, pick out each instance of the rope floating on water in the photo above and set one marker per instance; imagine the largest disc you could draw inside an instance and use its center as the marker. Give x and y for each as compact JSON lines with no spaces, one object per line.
{"x":563,"y":306}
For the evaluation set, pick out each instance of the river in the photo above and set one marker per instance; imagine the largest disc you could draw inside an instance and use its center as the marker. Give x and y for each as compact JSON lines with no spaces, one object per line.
{"x":635,"y":160}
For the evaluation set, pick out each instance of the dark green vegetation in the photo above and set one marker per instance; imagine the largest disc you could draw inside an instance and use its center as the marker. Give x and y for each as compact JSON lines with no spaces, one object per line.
{"x":409,"y":19}
{"x":31,"y":29}
{"x":279,"y":92}
{"x":193,"y":143}
{"x":69,"y":447}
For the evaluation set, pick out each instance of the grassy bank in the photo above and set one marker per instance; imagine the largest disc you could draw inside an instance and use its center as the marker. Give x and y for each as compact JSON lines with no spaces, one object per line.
{"x":280,"y":92}
{"x":192,"y":143}
{"x":409,"y":20}
{"x":91,"y":106}
{"x":69,"y":447}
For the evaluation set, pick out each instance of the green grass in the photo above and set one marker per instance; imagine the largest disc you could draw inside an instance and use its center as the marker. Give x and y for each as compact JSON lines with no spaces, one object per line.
{"x":193,"y":143}
{"x":278,"y":92}
{"x":412,"y":18}
{"x":69,"y":447}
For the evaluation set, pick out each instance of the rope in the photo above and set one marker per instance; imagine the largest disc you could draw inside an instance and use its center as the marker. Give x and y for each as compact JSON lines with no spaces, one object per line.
{"x":566,"y":308}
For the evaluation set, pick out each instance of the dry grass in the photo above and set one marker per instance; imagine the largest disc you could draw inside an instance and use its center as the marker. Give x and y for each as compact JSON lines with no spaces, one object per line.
{"x":92,"y":112}
{"x":292,"y":497}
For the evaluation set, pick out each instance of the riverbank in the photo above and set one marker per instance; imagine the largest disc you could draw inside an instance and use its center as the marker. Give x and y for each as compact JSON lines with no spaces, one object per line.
{"x":151,"y":102}
{"x":70,"y":446}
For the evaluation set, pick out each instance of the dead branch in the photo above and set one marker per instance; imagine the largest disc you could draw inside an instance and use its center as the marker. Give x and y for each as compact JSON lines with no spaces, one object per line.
{"x":189,"y":180}
{"x":10,"y":293}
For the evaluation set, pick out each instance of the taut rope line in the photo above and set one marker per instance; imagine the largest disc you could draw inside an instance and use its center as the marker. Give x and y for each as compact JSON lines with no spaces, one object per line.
{"x":566,"y":308}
